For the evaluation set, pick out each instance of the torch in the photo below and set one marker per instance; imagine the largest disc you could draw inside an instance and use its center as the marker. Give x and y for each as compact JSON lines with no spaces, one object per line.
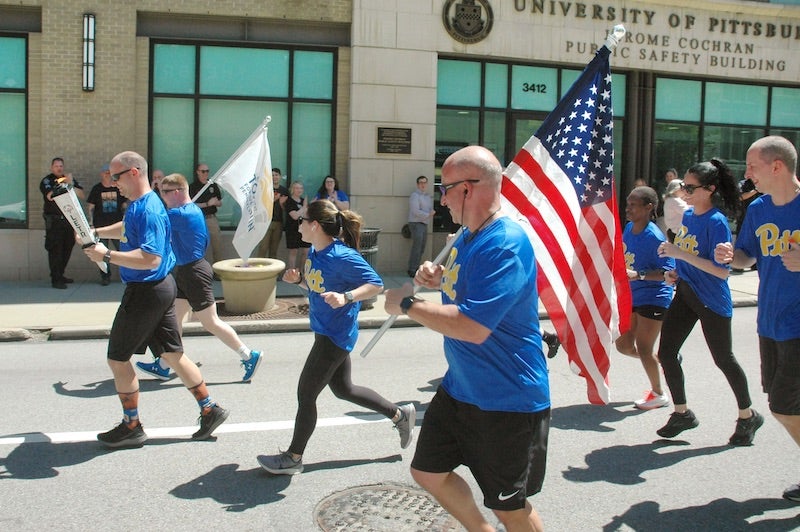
{"x":70,"y":205}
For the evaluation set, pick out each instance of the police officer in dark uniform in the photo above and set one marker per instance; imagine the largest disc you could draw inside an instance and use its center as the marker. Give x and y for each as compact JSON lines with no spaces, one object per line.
{"x":209,"y":200}
{"x":59,"y":237}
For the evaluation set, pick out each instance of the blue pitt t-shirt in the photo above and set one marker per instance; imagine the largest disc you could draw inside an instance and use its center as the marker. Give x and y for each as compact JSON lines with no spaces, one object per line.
{"x":190,"y":235}
{"x":491,"y":277}
{"x":336,"y":268}
{"x":765,"y":235}
{"x":641,"y":253}
{"x":699,"y":235}
{"x":146,"y":227}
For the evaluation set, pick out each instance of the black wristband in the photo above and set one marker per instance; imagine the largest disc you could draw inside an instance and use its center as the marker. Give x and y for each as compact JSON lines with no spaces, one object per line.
{"x":107,"y":257}
{"x":406,"y":303}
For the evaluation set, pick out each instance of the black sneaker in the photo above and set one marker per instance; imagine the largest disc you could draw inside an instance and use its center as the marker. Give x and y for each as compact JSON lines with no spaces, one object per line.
{"x":678,"y":423}
{"x":792,"y":493}
{"x":553,"y":343}
{"x":746,"y":430}
{"x":209,"y":422}
{"x":122,"y":436}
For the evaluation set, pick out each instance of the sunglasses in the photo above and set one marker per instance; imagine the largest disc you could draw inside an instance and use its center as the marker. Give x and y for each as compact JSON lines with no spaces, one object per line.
{"x":203,"y":171}
{"x":168,"y":190}
{"x":115,"y":177}
{"x":689,"y":189}
{"x":300,"y":219}
{"x":444,"y":188}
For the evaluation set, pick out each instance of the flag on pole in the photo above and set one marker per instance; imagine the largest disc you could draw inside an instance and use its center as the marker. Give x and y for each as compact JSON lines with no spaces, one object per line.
{"x":247,"y":177}
{"x":561,"y":186}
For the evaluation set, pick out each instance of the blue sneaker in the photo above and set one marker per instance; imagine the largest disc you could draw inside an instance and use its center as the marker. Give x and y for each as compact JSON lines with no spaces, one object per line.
{"x":154,"y":370}
{"x":251,"y":365}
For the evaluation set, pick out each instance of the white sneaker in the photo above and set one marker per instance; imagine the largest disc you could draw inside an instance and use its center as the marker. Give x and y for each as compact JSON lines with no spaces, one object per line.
{"x":651,"y":401}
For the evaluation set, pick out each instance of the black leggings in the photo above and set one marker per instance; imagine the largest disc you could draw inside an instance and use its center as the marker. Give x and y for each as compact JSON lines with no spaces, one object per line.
{"x":683,"y":313}
{"x":329,"y":365}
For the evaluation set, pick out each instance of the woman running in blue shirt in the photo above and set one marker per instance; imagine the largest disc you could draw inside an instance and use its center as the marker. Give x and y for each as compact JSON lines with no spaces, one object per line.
{"x":703,"y":294}
{"x":651,"y":294}
{"x":338,"y":279}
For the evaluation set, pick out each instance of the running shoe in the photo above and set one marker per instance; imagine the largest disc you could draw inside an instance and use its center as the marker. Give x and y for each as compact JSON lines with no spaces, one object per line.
{"x":677,"y":423}
{"x":281,"y":464}
{"x":792,"y":493}
{"x":405,"y":425}
{"x":651,"y":401}
{"x":251,"y":365}
{"x":746,"y":430}
{"x":210,"y":421}
{"x":154,"y":369}
{"x":123,"y":436}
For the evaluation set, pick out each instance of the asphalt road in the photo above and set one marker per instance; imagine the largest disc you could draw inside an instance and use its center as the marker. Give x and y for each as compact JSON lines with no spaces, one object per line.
{"x":607,"y":469}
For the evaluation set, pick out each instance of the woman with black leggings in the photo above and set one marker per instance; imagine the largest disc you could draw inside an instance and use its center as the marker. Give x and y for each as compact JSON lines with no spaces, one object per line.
{"x":338,"y":279}
{"x":703,"y":294}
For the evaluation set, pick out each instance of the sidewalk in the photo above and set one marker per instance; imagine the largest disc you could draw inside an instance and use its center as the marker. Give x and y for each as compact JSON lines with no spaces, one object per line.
{"x":86,"y":309}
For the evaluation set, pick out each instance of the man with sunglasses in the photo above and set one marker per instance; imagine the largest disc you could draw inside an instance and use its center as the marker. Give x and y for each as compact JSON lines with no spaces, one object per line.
{"x":59,"y":236}
{"x":492,"y":410}
{"x":146,"y":315}
{"x":193,"y":277}
{"x":209,"y":201}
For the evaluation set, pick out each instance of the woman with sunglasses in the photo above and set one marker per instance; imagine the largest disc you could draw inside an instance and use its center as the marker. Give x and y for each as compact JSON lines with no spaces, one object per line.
{"x":338,"y":279}
{"x":703,"y":294}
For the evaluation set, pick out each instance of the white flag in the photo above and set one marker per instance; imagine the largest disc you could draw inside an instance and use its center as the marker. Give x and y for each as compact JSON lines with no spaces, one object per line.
{"x":247,"y":177}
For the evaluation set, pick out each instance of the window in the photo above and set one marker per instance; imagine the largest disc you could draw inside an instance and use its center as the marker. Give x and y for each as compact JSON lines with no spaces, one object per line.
{"x":500,"y":106}
{"x":207,"y":99}
{"x":697,"y":120}
{"x":13,"y":134}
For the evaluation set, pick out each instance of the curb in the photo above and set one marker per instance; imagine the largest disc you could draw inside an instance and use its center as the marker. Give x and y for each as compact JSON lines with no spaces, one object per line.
{"x":94,"y":332}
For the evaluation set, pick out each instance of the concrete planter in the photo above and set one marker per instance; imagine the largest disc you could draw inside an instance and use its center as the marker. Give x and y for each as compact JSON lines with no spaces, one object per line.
{"x":249,"y":289}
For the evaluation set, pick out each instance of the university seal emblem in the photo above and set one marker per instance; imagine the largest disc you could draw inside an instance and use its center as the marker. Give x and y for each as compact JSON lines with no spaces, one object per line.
{"x":467,"y":21}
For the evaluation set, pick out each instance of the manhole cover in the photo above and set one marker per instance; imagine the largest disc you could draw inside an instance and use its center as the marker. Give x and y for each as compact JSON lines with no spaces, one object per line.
{"x":383,"y":507}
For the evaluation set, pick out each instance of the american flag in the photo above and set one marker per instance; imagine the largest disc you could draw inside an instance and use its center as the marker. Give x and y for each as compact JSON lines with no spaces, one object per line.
{"x":560,"y":186}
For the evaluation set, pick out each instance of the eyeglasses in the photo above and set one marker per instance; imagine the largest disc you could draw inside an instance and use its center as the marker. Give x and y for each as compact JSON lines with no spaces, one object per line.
{"x":168,"y":190}
{"x":444,"y":188}
{"x":689,"y":189}
{"x":115,"y":177}
{"x":203,"y":171}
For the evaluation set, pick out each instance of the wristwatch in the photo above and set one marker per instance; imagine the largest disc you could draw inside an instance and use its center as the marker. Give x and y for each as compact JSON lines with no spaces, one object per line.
{"x":348,"y":296}
{"x":107,"y":256}
{"x":406,"y":303}
{"x":642,"y":274}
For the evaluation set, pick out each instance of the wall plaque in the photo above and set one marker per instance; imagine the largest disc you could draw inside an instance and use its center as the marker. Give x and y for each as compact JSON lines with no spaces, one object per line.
{"x":394,"y":140}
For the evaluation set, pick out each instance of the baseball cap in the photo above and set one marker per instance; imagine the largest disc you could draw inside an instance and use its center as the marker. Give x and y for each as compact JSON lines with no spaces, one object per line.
{"x":105,"y":168}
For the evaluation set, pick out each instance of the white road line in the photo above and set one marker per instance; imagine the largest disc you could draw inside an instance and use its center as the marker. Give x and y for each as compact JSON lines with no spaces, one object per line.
{"x":170,"y":432}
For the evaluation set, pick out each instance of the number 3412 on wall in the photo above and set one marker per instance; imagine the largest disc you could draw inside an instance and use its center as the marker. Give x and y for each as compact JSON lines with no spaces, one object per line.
{"x":540,"y":88}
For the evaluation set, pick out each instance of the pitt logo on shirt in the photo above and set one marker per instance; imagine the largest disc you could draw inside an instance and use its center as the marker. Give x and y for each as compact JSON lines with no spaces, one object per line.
{"x":775,"y":242}
{"x":685,"y":241}
{"x":450,"y":274}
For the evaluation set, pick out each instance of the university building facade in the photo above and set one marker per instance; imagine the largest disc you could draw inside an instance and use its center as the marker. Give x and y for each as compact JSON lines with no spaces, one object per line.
{"x":373,"y":92}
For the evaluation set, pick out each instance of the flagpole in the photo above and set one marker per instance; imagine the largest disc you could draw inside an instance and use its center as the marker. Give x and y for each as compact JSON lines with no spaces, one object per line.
{"x":390,"y":321}
{"x":615,"y":36}
{"x":233,"y":157}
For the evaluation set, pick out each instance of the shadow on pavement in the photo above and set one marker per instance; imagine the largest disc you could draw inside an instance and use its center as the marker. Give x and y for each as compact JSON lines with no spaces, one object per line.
{"x":255,"y":487}
{"x":591,"y":417}
{"x":719,"y":514}
{"x":625,"y":464}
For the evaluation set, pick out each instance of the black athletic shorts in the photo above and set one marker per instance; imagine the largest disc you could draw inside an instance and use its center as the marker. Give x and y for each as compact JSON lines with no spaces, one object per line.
{"x":506,"y":451}
{"x":194,"y":281}
{"x":780,"y":374}
{"x":652,"y":312}
{"x":145,"y":318}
